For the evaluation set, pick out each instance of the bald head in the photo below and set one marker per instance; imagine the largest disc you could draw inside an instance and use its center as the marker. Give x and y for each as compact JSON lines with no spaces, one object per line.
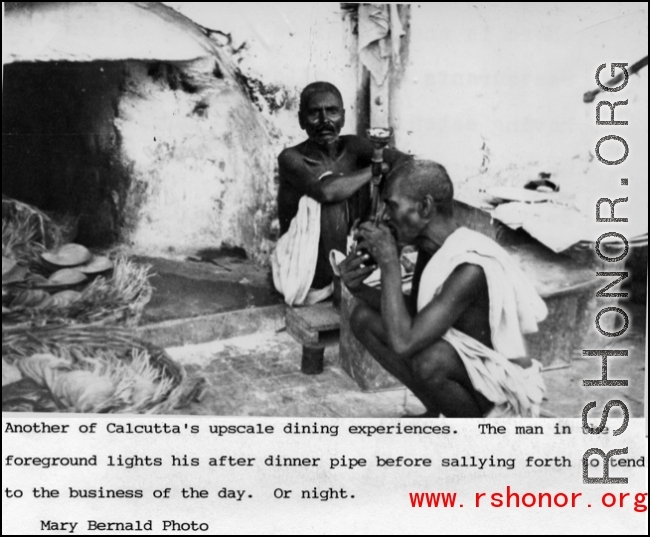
{"x":417,"y":179}
{"x":318,"y":87}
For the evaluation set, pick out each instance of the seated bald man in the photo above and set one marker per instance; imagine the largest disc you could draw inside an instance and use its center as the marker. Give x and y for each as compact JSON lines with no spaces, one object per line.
{"x":457,"y":340}
{"x":332,"y":170}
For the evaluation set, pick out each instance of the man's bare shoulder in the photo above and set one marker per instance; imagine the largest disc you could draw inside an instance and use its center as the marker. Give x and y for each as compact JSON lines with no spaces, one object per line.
{"x":352,"y":142}
{"x":466,"y":281}
{"x":292,"y":154}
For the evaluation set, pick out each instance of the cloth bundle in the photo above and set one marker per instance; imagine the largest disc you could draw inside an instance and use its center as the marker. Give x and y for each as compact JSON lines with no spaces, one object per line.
{"x":296,"y":254}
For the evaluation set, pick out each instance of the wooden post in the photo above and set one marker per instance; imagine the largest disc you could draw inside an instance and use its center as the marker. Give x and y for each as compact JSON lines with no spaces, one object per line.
{"x":379,"y":103}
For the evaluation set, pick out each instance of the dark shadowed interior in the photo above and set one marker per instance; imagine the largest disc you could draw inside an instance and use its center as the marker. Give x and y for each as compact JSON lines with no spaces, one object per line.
{"x":59,"y":143}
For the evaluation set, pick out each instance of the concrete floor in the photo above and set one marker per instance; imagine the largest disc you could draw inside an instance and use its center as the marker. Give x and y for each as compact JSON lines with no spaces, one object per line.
{"x":566,"y":396}
{"x":259,"y":375}
{"x":212,"y":283}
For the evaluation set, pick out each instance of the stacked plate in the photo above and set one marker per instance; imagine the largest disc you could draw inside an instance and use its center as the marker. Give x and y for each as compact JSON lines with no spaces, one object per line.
{"x":68,"y":256}
{"x":73,"y":264}
{"x":31,"y":299}
{"x":97,"y":265}
{"x":39,"y":298}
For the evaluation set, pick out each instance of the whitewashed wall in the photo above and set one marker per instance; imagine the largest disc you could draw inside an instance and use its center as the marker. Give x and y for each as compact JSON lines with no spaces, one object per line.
{"x":494,"y":92}
{"x":201,"y":165}
{"x":286,"y":44}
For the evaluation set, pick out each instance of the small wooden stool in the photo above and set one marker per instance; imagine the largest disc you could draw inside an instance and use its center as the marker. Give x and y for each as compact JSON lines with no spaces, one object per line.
{"x":314,"y":327}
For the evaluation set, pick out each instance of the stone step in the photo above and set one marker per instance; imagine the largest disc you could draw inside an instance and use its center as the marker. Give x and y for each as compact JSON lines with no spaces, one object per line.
{"x":216,"y":326}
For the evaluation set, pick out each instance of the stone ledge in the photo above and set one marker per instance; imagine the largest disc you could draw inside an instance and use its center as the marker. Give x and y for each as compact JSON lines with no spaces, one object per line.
{"x":203,"y":329}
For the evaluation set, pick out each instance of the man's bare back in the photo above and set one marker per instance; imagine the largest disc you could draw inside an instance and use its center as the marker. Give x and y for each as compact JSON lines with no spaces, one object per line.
{"x":465,"y":279}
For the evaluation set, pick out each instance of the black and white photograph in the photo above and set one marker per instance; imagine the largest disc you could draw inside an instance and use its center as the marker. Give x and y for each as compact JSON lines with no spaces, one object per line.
{"x":337,"y":210}
{"x":313,"y":211}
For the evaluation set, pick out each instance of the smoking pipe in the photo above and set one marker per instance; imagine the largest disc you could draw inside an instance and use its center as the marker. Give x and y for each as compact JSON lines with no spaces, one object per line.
{"x":379,"y":138}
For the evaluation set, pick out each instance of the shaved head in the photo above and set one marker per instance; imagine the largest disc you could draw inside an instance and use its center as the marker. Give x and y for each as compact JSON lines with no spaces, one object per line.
{"x":417,"y":179}
{"x":318,"y":87}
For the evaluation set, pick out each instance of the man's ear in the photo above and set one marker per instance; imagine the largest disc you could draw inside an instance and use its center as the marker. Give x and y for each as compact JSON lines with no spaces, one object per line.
{"x":343,"y":118}
{"x":301,"y":121}
{"x":426,"y":206}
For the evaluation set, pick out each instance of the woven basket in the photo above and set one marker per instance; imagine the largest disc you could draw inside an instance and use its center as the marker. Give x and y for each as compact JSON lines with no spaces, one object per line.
{"x":79,"y":345}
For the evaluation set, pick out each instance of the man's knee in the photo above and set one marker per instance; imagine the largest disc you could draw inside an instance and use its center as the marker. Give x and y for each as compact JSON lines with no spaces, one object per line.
{"x":361,"y":319}
{"x":433,"y":364}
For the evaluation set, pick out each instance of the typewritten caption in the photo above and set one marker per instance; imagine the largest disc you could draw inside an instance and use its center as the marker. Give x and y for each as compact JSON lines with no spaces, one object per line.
{"x":176,"y":475}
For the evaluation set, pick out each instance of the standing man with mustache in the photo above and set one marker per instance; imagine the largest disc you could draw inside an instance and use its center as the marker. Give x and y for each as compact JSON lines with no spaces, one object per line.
{"x":333,"y":170}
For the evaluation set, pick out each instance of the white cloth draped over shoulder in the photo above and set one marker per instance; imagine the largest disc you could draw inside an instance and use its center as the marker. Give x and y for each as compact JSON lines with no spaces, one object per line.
{"x":515,"y":309}
{"x":296,"y":254}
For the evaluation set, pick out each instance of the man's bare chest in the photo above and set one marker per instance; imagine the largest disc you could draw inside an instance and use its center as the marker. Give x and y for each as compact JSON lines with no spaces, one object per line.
{"x":342,"y":165}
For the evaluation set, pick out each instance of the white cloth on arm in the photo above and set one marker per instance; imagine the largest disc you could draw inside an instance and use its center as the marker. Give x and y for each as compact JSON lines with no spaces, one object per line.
{"x":296,"y":254}
{"x":515,"y":309}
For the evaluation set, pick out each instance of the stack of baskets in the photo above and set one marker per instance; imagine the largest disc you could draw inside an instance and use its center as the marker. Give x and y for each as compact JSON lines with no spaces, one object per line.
{"x":67,"y":320}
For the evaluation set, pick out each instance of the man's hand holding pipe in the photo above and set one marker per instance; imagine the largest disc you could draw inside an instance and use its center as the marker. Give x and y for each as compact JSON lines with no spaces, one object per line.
{"x":354,"y":271}
{"x":378,"y":241}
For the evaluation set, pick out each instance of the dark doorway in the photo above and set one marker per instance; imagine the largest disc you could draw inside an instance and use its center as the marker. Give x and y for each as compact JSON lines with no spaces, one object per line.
{"x":59,"y":144}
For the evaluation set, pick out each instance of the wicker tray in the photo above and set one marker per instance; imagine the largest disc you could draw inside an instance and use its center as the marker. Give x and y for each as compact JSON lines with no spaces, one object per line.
{"x":80,"y":345}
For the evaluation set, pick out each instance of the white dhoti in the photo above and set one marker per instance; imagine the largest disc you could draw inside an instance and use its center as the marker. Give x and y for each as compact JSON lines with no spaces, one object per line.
{"x":515,"y":391}
{"x":296,"y":254}
{"x":515,"y":309}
